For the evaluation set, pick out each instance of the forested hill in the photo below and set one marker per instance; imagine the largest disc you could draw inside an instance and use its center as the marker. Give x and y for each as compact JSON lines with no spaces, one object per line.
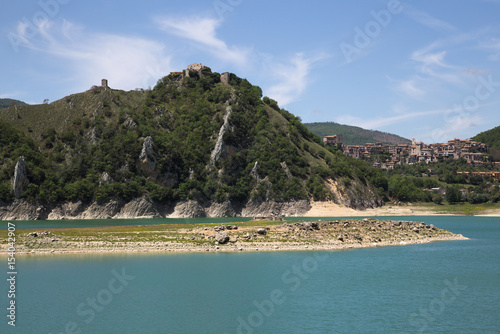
{"x":5,"y":103}
{"x":192,"y":137}
{"x":492,"y":139}
{"x":353,"y":135}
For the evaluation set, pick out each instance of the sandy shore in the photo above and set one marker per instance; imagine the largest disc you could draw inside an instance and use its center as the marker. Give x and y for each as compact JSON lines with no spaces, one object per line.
{"x":240,"y":237}
{"x":331,"y":209}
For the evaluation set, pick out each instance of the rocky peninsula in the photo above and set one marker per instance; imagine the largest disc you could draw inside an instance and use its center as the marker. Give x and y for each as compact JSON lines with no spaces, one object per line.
{"x":233,"y":237}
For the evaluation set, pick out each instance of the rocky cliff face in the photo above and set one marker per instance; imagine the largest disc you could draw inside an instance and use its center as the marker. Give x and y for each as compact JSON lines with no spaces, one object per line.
{"x":219,"y":145}
{"x":355,"y":196}
{"x":66,"y":210}
{"x":20,"y":178}
{"x":22,"y":210}
{"x":273,"y":208}
{"x":147,"y":157}
{"x":145,"y":208}
{"x":255,"y":171}
{"x":139,"y":208}
{"x":105,"y":179}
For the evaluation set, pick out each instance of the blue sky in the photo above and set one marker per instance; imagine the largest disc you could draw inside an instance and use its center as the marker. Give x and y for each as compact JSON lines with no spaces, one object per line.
{"x":428,"y":70}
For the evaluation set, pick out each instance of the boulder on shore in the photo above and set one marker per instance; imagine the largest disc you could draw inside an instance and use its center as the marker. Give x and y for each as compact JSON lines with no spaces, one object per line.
{"x":222,"y":237}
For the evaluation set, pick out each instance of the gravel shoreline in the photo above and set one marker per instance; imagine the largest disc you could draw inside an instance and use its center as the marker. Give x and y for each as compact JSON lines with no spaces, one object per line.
{"x":241,"y":237}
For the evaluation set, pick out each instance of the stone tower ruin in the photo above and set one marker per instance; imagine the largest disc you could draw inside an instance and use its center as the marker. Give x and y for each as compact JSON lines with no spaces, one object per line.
{"x":225,"y":77}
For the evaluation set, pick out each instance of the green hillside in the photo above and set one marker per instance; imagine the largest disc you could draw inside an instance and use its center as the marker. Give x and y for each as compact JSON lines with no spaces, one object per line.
{"x":62,"y":115}
{"x":197,"y":138}
{"x":5,"y":103}
{"x":492,"y":139}
{"x":353,"y":135}
{"x":188,"y":138}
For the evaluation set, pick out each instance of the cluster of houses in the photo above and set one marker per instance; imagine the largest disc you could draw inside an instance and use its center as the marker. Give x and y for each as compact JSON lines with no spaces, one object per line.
{"x":492,"y":175}
{"x":386,"y":156}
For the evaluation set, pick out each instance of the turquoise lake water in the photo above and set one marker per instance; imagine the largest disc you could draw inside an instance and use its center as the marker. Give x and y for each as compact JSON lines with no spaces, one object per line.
{"x":441,"y":287}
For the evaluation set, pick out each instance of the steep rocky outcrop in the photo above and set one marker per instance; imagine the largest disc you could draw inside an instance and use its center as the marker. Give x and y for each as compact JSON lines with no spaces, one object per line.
{"x":219,"y":144}
{"x":21,"y":210}
{"x":274,"y":208}
{"x":286,"y":170}
{"x":139,"y":208}
{"x":224,"y":209}
{"x":355,"y":195}
{"x":20,"y":177}
{"x":129,"y":123}
{"x":105,"y":179}
{"x":67,"y":210}
{"x":188,"y":209}
{"x":255,"y":171}
{"x":147,"y":157}
{"x":94,"y":137}
{"x":101,"y":211}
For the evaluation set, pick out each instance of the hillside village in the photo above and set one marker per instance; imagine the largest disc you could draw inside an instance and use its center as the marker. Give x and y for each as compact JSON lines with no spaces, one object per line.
{"x":386,"y":156}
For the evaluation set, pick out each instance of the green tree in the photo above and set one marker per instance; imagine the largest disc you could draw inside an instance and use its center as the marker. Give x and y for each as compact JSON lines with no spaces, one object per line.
{"x":437,"y":197}
{"x":453,"y":195}
{"x":5,"y":192}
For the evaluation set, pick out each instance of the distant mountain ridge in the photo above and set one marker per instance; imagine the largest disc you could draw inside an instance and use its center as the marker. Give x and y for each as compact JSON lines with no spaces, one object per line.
{"x":5,"y":103}
{"x":353,"y":135}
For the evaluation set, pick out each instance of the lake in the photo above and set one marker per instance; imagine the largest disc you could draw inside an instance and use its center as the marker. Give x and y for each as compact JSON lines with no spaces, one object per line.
{"x":441,"y":287}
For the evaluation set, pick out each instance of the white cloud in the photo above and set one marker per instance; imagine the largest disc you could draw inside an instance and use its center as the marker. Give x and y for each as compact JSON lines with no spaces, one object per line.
{"x":130,"y":62}
{"x":202,"y":31}
{"x":433,"y":73}
{"x":477,"y":71}
{"x":127,"y":62}
{"x":409,"y":87}
{"x":428,"y":59}
{"x":427,"y":20}
{"x":433,"y":65}
{"x":492,"y":46}
{"x":292,"y":78}
{"x":447,"y":123}
{"x":458,"y":127}
{"x":386,"y":121}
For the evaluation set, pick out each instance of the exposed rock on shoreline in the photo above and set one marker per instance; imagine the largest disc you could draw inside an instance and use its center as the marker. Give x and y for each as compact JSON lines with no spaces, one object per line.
{"x":146,"y":208}
{"x":250,"y":236}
